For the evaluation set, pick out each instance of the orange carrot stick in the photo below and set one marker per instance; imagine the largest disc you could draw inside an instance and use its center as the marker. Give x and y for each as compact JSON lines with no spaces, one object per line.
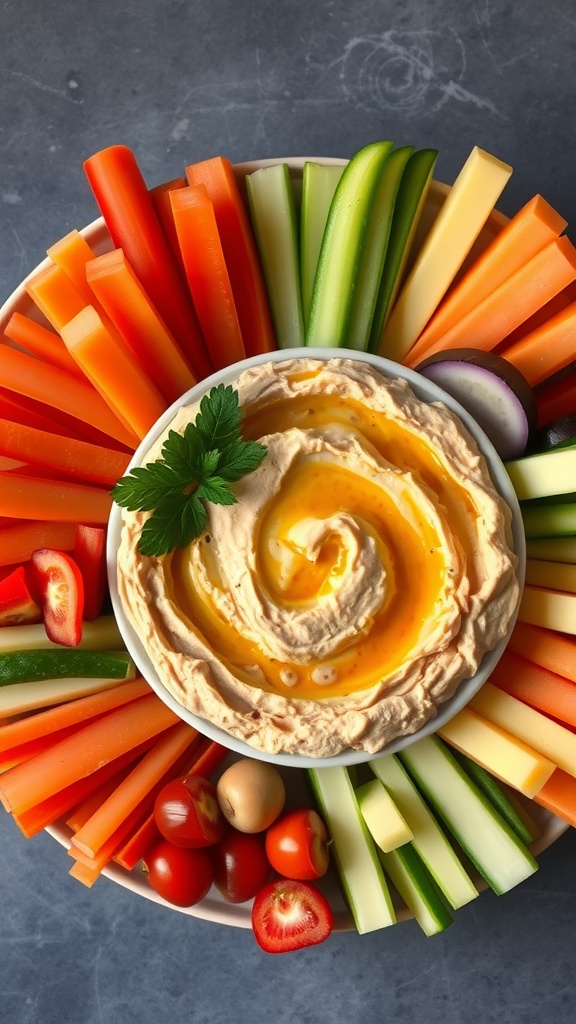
{"x":525,"y":234}
{"x":558,"y":795}
{"x":240,"y":252}
{"x":557,"y":398}
{"x":114,"y":371}
{"x":541,"y":689}
{"x":547,"y":348}
{"x":63,"y":455}
{"x":121,"y":193}
{"x":547,"y":648}
{"x":207,"y":274}
{"x":20,"y":752}
{"x":136,"y":786}
{"x":509,"y":305}
{"x":125,"y":301}
{"x":64,"y":501}
{"x":71,"y":254}
{"x":43,"y":383}
{"x":88,"y":749}
{"x":40,"y":341}
{"x":160,"y":196}
{"x":55,"y":295}
{"x":74,"y":712}
{"x":84,"y":810}
{"x":18,"y":541}
{"x":54,"y":807}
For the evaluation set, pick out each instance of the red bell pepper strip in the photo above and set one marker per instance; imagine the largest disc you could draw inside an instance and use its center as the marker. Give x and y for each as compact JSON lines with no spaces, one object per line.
{"x":90,"y":557}
{"x":128,"y":210}
{"x":17,"y":606}
{"x":240,"y":252}
{"x":61,"y":589}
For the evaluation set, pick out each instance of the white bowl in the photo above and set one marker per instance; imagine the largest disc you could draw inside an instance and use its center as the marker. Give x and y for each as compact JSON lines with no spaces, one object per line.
{"x":425,"y":390}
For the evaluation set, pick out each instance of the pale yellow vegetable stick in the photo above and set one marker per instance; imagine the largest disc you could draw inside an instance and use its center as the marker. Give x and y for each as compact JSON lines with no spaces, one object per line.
{"x":553,"y":609}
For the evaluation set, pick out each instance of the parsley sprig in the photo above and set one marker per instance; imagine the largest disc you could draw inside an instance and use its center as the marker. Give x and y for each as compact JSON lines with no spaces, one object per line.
{"x":196,"y":467}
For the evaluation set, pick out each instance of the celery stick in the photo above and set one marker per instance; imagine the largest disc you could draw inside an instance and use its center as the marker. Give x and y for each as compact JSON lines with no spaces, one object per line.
{"x":273,"y":211}
{"x":102,"y":635}
{"x":492,"y":846}
{"x":342,"y":246}
{"x":415,"y":885}
{"x":319,"y":183}
{"x":410,"y":202}
{"x":548,"y":473}
{"x":553,"y":549}
{"x":354,"y":852}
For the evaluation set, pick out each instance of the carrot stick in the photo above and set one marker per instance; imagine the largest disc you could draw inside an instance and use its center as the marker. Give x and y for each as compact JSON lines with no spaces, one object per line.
{"x":509,"y":305}
{"x":240,"y":252}
{"x":541,"y":689}
{"x":136,"y":787}
{"x":34,"y":414}
{"x":525,"y":234}
{"x":114,"y":371}
{"x":81,"y":754}
{"x":71,"y":254}
{"x":88,"y":869}
{"x":27,"y":376}
{"x":28,"y":497}
{"x":41,"y":342}
{"x":207,"y":274}
{"x":207,"y":756}
{"x":556,"y":399}
{"x":547,"y":349}
{"x":160,"y":196}
{"x":63,"y":455}
{"x":54,"y":807}
{"x":126,"y":302}
{"x":558,"y":795}
{"x":84,"y":810}
{"x":545,"y":647}
{"x":17,"y":542}
{"x":21,"y":752}
{"x":75,"y":712}
{"x":55,"y":295}
{"x":121,"y":193}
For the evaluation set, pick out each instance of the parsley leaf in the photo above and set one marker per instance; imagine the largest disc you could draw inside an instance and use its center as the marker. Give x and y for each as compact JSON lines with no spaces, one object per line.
{"x":195,"y":467}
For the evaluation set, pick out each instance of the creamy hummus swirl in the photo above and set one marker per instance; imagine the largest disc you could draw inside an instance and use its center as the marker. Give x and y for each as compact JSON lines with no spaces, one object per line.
{"x":361,"y":577}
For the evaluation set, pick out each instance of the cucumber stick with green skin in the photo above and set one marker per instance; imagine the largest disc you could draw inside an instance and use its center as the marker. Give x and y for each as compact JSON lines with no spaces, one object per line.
{"x":319,"y":183}
{"x":353,"y":849}
{"x":410,"y":201}
{"x":415,"y":884}
{"x":549,"y":520}
{"x":493,"y":790}
{"x":64,"y":662}
{"x":498,"y":854}
{"x":342,"y":247}
{"x":273,"y":211}
{"x":374,"y":249}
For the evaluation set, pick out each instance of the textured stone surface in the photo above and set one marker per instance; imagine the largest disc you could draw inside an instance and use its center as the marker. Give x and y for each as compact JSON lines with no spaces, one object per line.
{"x":179,"y":81}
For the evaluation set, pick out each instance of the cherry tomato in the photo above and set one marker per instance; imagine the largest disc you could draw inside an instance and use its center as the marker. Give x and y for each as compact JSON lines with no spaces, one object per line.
{"x":181,"y":876}
{"x":187,"y":812}
{"x":61,"y":588}
{"x":241,"y":867}
{"x":297,"y":845}
{"x":288,"y":915}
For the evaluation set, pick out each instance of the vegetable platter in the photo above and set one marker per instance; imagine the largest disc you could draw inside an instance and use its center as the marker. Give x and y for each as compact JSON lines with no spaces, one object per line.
{"x":183,"y":278}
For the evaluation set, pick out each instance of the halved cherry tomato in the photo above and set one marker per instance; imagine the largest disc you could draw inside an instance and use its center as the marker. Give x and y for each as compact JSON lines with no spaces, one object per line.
{"x":297,"y":845}
{"x":181,"y":876}
{"x":61,"y":589}
{"x":241,"y":867}
{"x":187,"y":812}
{"x":288,"y":915}
{"x":17,"y":605}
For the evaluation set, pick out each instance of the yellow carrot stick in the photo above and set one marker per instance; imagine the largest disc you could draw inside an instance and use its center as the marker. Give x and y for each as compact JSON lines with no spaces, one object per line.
{"x":114,"y":371}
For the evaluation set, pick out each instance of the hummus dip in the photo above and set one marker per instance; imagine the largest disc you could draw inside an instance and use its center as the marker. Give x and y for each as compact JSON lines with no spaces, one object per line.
{"x":364,"y":573}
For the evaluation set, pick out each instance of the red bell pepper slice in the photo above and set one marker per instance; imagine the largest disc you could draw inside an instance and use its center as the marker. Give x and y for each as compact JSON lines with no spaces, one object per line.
{"x":90,"y":557}
{"x":61,"y":589}
{"x":17,"y":606}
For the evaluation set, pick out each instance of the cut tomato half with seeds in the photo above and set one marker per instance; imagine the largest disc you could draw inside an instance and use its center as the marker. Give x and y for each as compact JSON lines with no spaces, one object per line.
{"x":61,"y":589}
{"x":288,"y":915}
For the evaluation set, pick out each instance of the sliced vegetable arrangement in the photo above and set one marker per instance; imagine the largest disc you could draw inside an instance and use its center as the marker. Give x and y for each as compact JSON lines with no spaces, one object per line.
{"x":199,"y":273}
